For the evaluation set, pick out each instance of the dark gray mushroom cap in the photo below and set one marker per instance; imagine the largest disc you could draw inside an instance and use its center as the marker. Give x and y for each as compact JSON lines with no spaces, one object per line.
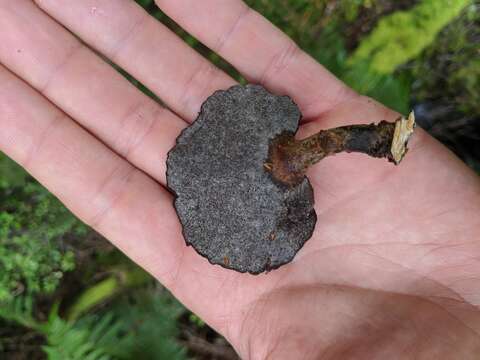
{"x":232,"y":211}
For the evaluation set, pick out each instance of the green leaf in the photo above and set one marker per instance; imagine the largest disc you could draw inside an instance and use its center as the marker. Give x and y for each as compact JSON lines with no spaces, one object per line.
{"x":106,"y":289}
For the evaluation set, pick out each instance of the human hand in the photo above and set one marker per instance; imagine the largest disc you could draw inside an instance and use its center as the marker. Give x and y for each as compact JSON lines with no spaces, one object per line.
{"x":391,"y":270}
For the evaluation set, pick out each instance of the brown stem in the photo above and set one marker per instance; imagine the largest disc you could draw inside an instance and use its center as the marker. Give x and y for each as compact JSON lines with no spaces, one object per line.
{"x":289,"y":158}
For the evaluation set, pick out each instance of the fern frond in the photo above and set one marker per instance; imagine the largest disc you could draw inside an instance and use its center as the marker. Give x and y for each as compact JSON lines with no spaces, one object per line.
{"x":20,"y":311}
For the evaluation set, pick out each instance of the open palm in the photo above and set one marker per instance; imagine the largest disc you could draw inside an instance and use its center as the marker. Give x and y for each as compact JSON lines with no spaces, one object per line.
{"x":392,"y":268}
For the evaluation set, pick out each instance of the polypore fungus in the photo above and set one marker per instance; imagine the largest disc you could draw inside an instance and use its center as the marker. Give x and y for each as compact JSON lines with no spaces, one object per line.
{"x":238,"y":175}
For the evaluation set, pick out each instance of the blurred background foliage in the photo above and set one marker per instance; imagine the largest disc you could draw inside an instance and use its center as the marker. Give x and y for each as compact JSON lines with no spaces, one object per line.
{"x":65,"y":293}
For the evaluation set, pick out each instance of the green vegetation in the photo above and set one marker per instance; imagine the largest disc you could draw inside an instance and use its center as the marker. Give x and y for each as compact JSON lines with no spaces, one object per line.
{"x":11,"y":174}
{"x":33,"y":226}
{"x":450,"y":68}
{"x":402,"y":36}
{"x":106,"y":289}
{"x":84,"y":300}
{"x":146,"y":331}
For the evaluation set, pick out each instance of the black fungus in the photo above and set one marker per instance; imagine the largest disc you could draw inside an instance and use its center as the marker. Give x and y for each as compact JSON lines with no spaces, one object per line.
{"x":233,"y":212}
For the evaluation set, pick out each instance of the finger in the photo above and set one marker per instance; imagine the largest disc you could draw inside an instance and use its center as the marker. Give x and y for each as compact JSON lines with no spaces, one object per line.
{"x":145,"y":48}
{"x":97,"y":185}
{"x":260,"y":51}
{"x":115,"y":198}
{"x":55,"y":63}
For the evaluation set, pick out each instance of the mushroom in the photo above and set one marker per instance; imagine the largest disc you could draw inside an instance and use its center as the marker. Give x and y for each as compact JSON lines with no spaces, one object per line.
{"x":238,"y":175}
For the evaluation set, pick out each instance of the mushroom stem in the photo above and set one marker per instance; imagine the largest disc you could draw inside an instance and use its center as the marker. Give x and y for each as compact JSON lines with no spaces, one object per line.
{"x":290,"y":158}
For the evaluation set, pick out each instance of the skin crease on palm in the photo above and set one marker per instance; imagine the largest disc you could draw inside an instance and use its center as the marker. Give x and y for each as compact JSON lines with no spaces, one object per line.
{"x":392,"y":270}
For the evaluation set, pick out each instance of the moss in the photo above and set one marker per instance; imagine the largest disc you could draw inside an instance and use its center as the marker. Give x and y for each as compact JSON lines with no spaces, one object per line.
{"x":450,"y":68}
{"x":467,"y":79}
{"x":403,"y":35}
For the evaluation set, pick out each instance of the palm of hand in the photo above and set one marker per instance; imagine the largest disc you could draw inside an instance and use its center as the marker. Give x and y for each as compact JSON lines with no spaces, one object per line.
{"x":391,"y":268}
{"x":387,"y":274}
